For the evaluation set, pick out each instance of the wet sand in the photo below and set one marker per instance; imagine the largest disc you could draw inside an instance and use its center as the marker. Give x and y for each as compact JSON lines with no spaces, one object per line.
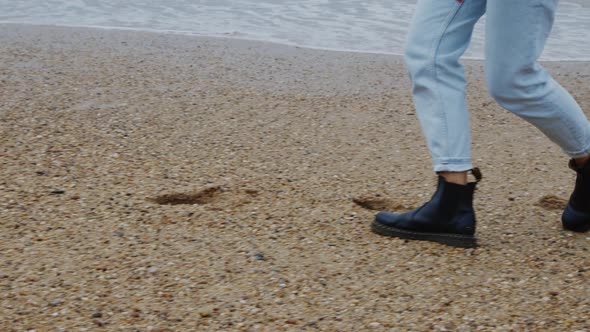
{"x":154,"y":182}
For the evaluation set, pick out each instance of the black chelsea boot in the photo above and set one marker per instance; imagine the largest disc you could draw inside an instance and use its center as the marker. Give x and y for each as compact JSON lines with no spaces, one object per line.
{"x":448,"y":218}
{"x":576,"y":216}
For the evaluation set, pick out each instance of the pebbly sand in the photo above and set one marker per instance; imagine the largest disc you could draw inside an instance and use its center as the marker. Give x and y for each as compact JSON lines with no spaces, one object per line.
{"x":275,"y":156}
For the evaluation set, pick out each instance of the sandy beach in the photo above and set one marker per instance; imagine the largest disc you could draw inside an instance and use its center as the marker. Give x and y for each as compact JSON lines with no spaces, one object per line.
{"x":154,"y":182}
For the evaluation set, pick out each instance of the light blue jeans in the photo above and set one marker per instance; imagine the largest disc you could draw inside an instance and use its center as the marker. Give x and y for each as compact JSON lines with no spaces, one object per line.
{"x":516,"y":31}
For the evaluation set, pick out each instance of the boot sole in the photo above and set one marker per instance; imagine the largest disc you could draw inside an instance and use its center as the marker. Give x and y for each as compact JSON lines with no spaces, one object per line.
{"x":454,"y":240}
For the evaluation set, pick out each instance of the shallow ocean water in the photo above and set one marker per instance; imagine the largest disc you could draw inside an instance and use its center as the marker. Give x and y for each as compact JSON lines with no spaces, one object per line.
{"x":377,"y":26}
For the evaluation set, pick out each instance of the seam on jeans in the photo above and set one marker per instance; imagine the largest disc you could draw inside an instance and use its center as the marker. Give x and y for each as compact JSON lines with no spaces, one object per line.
{"x":564,"y":115}
{"x":434,"y":52}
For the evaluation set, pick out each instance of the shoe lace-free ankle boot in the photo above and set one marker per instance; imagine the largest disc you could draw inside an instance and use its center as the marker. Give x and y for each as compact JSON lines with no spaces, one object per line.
{"x":576,"y":216}
{"x":448,"y":218}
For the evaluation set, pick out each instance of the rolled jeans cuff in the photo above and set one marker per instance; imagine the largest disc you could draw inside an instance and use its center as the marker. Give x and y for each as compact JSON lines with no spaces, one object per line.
{"x":579,"y":154}
{"x":452,"y":165}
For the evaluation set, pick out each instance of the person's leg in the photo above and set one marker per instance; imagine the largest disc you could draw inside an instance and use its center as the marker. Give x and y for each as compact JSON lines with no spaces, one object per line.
{"x":516,"y":32}
{"x":440,"y":33}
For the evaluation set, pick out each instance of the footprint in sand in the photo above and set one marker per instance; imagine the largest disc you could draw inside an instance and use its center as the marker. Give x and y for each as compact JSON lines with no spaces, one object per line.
{"x":381,"y":204}
{"x":551,"y":202}
{"x":217,"y":197}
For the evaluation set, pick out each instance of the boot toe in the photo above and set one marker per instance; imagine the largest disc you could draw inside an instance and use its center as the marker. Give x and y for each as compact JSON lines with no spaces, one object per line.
{"x":395,"y":220}
{"x":575,"y":221}
{"x":385,"y":217}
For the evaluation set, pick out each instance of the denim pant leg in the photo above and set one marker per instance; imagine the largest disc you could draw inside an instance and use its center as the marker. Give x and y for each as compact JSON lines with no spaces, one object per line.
{"x":516,"y":31}
{"x":439,"y":34}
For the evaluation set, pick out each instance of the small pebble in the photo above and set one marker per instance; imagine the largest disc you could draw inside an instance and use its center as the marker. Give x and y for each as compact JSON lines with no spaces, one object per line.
{"x":55,"y":302}
{"x":58,"y":192}
{"x":203,"y":312}
{"x":375,"y":325}
{"x":96,"y":315}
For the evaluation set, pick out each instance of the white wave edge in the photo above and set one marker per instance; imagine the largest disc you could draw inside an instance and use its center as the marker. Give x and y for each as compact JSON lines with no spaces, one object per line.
{"x":249,"y":38}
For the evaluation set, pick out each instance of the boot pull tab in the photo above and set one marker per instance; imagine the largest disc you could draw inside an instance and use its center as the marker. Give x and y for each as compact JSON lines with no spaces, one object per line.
{"x":573,"y":166}
{"x":476,"y":174}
